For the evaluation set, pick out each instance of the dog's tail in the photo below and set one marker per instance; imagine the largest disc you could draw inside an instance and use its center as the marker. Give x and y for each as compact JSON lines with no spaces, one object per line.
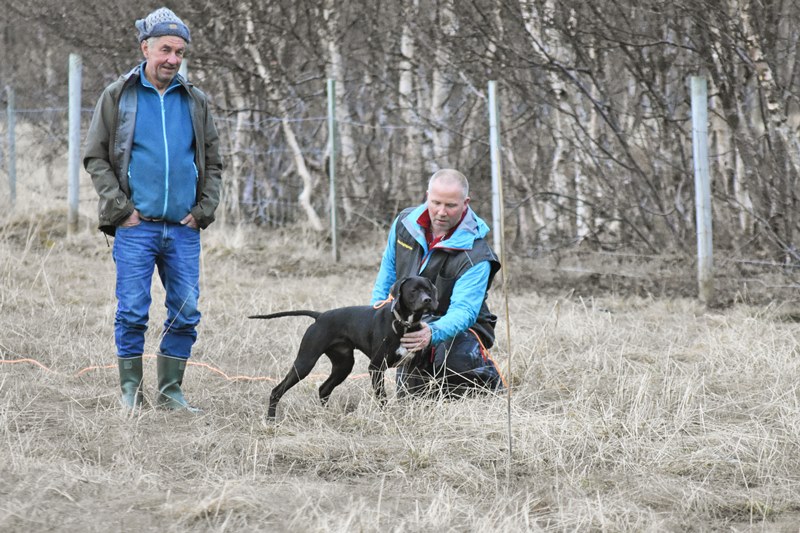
{"x":312,"y":314}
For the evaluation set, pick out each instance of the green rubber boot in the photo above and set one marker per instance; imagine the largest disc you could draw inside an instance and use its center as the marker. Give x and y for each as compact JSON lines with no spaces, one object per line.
{"x":130,"y":380}
{"x":170,"y":377}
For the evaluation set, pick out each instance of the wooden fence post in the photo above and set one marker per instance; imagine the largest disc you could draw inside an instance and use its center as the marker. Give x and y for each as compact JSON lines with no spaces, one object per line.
{"x":498,"y":218}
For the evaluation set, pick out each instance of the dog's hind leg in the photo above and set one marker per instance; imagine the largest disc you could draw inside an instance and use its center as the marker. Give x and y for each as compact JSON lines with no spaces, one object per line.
{"x":307,"y":356}
{"x":292,"y":378}
{"x":377,"y":369}
{"x":342,"y":362}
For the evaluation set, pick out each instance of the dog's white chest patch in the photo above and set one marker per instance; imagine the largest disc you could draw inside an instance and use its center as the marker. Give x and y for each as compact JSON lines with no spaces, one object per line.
{"x":405,"y":355}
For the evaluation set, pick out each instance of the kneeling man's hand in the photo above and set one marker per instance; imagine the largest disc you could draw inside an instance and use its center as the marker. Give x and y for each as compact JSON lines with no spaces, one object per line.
{"x":417,"y":340}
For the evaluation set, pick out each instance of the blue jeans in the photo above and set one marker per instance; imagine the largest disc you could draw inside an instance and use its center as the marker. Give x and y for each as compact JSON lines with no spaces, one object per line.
{"x":458,"y":367}
{"x":174,"y":250}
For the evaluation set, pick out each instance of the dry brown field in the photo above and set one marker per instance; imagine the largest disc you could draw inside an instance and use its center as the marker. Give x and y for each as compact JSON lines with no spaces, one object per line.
{"x":632,"y":406}
{"x":629,"y":410}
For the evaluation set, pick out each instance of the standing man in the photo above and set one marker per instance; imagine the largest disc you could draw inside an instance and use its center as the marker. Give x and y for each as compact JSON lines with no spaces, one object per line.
{"x":444,"y":240}
{"x":153,"y":153}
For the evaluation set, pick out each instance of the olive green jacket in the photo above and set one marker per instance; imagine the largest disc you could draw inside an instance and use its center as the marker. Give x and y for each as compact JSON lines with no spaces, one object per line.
{"x":108,"y":150}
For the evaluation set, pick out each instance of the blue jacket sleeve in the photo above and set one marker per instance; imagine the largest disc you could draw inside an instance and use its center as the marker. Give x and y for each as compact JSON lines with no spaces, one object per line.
{"x":465,"y":304}
{"x":387,"y":274}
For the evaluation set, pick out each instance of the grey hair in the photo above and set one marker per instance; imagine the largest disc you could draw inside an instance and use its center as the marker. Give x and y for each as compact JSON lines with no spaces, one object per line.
{"x":151,"y":41}
{"x":450,"y":175}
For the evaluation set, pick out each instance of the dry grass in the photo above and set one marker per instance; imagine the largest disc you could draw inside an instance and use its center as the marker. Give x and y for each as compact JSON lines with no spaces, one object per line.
{"x":627,"y":414}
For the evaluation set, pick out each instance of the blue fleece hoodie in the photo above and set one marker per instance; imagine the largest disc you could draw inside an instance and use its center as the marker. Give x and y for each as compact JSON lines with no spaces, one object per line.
{"x":162,"y":172}
{"x":469,"y":290}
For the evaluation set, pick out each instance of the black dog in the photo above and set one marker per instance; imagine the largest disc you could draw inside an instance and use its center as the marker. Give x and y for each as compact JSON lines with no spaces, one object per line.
{"x":376,"y":332}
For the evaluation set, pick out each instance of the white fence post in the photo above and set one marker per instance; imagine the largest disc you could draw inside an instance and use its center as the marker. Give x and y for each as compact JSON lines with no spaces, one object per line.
{"x":494,"y":148}
{"x":702,"y":189}
{"x":12,"y":146}
{"x":75,"y":72}
{"x":332,"y":164}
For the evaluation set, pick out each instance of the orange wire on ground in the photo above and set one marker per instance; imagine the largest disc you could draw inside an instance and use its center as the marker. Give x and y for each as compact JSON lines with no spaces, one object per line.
{"x":488,"y":356}
{"x":216,"y":370}
{"x":191,"y":363}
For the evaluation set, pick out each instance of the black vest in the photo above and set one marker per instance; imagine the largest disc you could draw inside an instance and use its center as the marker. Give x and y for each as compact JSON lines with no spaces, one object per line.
{"x":444,"y":268}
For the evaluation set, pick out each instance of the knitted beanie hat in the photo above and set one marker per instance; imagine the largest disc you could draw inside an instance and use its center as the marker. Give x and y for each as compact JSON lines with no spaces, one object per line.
{"x":162,"y":22}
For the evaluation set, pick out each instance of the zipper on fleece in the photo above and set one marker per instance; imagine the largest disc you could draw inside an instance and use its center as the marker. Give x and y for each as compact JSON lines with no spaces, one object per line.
{"x":166,"y":153}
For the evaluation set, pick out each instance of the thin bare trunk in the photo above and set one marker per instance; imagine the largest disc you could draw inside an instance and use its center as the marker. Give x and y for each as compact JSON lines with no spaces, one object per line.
{"x":413,"y":167}
{"x":302,"y":170}
{"x":299,"y":160}
{"x":784,"y":144}
{"x":352,"y":177}
{"x":440,"y":88}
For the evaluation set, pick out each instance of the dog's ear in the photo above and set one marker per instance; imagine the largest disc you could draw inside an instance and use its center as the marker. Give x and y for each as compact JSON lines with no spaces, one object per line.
{"x":434,"y":294}
{"x":394,"y":290}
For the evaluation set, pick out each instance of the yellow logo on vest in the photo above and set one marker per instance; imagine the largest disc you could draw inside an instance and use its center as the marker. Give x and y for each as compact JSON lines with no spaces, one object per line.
{"x":404,"y":245}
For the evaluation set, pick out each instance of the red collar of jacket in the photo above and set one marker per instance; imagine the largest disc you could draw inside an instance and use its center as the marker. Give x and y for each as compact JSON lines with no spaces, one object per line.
{"x":424,"y":221}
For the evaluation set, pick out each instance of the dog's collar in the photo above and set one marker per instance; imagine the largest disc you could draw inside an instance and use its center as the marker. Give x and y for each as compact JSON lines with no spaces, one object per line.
{"x":399,"y":322}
